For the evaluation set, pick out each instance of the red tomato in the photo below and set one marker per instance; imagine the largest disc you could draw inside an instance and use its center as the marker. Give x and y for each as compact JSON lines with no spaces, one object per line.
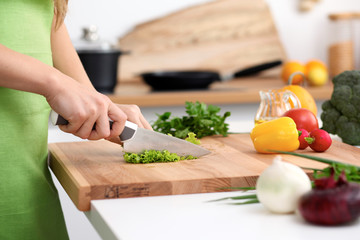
{"x":303,"y":118}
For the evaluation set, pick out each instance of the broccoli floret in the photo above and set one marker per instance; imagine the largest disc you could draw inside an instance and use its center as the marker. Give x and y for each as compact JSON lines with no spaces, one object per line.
{"x":341,"y":114}
{"x":329,"y":116}
{"x":348,"y":130}
{"x":341,"y":97}
{"x":348,"y":78}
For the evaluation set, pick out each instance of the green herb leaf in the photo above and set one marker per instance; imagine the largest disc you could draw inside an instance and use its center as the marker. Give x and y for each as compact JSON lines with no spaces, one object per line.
{"x":203,"y":120}
{"x":252,"y":196}
{"x":246,"y":202}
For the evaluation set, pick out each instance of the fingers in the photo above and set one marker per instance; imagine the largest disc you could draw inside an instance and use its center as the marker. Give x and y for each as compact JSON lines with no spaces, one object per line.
{"x":134,"y":115}
{"x":82,"y":118}
{"x":83,"y":107}
{"x":85,"y":128}
{"x":145,"y":123}
{"x":131,"y":113}
{"x":102,"y":128}
{"x":119,"y":118}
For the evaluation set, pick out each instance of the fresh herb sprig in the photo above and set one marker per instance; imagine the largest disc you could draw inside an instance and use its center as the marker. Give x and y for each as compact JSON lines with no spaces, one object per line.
{"x":202,"y":119}
{"x":352,"y":172}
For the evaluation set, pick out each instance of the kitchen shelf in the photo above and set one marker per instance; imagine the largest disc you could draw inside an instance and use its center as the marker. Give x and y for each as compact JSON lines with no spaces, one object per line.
{"x":237,"y":91}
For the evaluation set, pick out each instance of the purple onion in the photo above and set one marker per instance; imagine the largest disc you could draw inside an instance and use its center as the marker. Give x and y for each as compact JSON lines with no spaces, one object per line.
{"x":331,"y":202}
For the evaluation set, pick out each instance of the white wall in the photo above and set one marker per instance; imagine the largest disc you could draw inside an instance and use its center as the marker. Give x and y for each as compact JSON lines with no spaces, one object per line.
{"x":304,"y":35}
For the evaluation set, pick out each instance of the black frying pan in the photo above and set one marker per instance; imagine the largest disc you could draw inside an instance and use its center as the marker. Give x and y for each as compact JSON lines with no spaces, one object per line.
{"x":180,"y":80}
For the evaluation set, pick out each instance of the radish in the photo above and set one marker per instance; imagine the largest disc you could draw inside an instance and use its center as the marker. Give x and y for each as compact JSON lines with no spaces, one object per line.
{"x":302,"y":135}
{"x":331,"y":202}
{"x":319,"y":140}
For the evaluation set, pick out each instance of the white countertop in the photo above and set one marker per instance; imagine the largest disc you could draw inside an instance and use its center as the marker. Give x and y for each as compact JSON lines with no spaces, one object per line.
{"x":191,"y":216}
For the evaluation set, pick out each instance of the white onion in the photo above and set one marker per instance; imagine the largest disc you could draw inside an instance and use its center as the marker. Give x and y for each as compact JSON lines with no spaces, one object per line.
{"x":280,"y":186}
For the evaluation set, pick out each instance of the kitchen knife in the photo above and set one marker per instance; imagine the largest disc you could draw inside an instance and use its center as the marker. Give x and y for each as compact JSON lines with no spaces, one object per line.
{"x":137,"y":140}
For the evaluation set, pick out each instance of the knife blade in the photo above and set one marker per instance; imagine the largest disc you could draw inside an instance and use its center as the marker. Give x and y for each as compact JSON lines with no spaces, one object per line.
{"x":137,"y":140}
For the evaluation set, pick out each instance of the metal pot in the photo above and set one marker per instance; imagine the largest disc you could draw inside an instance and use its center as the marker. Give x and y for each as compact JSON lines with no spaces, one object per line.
{"x":99,"y":59}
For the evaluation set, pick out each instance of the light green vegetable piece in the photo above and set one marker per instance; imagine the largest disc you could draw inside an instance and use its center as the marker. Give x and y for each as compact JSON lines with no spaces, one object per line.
{"x":153,"y":156}
{"x":192,"y":138}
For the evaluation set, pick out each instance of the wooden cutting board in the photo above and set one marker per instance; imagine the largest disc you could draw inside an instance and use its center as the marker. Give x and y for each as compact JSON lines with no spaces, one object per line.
{"x":96,"y":169}
{"x":221,"y":35}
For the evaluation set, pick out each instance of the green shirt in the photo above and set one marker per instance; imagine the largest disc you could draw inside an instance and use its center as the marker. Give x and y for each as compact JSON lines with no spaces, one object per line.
{"x":29,"y":202}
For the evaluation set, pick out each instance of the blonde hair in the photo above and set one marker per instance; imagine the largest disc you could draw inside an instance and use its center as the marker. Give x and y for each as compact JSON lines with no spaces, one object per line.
{"x":60,"y":8}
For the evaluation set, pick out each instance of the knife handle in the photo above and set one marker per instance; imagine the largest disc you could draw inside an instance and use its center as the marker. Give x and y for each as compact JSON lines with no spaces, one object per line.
{"x":128,"y":132}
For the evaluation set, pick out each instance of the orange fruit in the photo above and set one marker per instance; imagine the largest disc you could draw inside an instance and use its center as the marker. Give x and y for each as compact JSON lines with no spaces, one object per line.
{"x":316,"y":72}
{"x":317,"y":76}
{"x":291,"y":67}
{"x":306,"y":99}
{"x":314,"y":64}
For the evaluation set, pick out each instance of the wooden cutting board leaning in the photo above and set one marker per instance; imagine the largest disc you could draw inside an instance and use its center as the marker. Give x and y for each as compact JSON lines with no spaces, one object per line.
{"x":96,"y":169}
{"x":222,"y":36}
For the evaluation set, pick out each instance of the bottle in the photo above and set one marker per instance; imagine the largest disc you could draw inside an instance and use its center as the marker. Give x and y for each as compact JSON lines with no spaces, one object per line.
{"x":341,"y":47}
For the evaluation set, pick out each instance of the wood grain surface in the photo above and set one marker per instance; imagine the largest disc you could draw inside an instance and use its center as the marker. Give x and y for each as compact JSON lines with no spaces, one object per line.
{"x":96,"y":169}
{"x":222,"y":35}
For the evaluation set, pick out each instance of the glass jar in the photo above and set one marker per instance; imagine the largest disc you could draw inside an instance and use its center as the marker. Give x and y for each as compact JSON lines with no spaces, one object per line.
{"x":274,"y":103}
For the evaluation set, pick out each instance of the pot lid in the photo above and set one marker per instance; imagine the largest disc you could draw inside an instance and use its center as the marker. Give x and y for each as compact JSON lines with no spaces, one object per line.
{"x":90,"y":41}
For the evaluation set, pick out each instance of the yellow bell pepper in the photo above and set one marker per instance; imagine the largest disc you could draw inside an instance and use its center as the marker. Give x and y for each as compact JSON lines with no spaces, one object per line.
{"x":278,"y":134}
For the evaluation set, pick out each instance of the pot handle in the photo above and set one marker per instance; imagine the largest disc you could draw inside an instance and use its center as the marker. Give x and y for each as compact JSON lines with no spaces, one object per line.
{"x":256,"y":69}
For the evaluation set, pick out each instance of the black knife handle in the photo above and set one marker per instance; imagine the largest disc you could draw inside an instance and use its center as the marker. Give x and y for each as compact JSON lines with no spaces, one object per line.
{"x":128,"y":132}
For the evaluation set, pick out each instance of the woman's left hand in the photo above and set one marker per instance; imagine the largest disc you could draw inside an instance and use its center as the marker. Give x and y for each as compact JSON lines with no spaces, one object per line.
{"x":134,"y":115}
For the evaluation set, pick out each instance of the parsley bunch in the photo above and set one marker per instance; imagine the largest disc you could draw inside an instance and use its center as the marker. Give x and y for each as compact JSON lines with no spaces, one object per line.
{"x":202,"y":119}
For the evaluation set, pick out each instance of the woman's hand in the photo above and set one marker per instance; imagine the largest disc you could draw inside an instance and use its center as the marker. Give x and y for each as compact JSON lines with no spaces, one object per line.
{"x":82,"y":107}
{"x":134,"y":115}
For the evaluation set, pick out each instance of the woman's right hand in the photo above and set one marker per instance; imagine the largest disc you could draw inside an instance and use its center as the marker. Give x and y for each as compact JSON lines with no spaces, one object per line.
{"x":82,"y":107}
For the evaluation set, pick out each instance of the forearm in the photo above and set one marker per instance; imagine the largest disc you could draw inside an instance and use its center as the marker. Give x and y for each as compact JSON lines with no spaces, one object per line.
{"x":65,"y":57}
{"x":21,"y":72}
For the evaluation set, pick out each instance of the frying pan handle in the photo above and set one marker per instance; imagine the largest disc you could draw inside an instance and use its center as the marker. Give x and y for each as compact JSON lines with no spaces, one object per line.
{"x":256,"y":69}
{"x":128,"y":132}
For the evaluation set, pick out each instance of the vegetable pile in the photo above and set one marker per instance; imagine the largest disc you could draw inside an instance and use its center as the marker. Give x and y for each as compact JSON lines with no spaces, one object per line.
{"x":296,"y":129}
{"x":202,"y":119}
{"x":333,"y":200}
{"x":341,"y":114}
